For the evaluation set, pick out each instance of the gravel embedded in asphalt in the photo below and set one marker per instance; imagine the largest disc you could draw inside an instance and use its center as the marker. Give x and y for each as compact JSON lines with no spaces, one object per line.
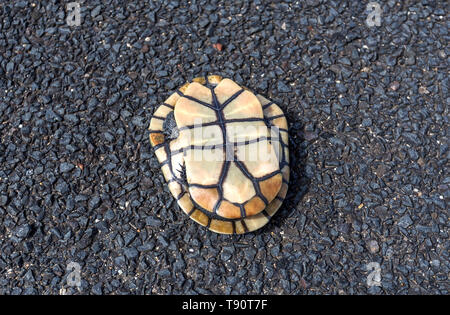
{"x":368,"y":116}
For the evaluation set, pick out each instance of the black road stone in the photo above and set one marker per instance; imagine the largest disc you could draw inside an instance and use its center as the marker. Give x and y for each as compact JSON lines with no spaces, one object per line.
{"x":22,"y":231}
{"x":368,"y":121}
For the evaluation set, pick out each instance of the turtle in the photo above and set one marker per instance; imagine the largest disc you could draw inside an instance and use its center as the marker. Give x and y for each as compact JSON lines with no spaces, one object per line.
{"x":228,"y":163}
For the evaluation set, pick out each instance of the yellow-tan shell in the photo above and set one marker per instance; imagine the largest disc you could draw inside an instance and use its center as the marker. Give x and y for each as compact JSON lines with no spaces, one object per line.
{"x":229,"y":166}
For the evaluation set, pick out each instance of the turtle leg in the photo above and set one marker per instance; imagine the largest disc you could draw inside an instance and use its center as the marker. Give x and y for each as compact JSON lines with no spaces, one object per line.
{"x":156,"y":127}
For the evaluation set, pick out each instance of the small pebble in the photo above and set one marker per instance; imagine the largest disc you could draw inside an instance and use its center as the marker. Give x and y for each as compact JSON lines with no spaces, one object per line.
{"x":394,"y":86}
{"x":373,"y":246}
{"x":218,"y":46}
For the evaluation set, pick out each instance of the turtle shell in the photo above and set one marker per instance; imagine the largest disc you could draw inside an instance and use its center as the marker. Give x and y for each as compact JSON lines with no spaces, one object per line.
{"x":229,"y":166}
